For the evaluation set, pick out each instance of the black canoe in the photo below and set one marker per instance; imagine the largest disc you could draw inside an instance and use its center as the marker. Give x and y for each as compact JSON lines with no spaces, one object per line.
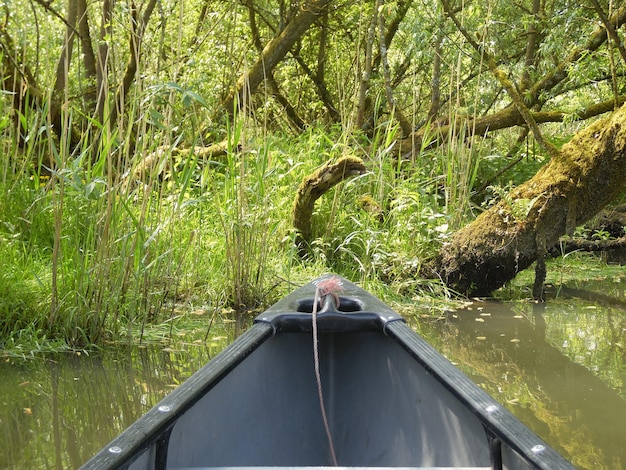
{"x":390,"y":398}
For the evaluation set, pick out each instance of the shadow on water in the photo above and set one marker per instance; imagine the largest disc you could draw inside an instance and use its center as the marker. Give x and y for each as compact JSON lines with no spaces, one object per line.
{"x":559,"y":366}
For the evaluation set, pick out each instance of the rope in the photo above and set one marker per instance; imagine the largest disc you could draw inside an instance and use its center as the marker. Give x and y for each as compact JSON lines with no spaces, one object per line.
{"x":320,"y":293}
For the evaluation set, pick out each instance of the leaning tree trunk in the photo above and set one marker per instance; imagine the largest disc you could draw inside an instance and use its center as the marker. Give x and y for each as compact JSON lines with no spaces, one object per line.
{"x":275,"y":51}
{"x":587,"y":174}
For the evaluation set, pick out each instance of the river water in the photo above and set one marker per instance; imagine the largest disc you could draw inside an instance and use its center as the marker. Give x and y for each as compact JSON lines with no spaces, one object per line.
{"x":559,"y":366}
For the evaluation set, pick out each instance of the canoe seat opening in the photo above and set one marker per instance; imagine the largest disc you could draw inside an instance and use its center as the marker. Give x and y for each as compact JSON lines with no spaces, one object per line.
{"x":346,"y":305}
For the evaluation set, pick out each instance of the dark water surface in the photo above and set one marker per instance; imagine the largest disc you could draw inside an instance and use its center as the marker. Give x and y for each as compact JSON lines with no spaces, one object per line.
{"x":559,"y":366}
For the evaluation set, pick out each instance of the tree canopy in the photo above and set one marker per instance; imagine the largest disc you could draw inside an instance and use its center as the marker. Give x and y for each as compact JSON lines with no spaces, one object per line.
{"x":429,"y":65}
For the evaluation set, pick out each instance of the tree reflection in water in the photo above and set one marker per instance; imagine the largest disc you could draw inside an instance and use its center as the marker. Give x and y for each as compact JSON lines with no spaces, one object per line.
{"x":59,"y":411}
{"x":559,"y":366}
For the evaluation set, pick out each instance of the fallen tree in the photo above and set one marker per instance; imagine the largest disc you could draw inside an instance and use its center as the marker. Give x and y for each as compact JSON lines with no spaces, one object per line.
{"x":587,"y":174}
{"x":274,"y":52}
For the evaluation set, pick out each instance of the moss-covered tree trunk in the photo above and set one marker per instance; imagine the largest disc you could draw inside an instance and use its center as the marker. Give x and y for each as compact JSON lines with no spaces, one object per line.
{"x":588,"y":173}
{"x":313,"y":187}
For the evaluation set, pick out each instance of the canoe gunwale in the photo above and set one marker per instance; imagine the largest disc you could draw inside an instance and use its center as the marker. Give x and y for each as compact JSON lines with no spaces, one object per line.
{"x":154,"y":426}
{"x":357,"y":311}
{"x":499,"y":423}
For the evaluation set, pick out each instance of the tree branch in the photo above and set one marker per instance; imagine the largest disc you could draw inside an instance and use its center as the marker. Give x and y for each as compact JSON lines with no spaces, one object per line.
{"x":560,"y":72}
{"x":504,"y":80}
{"x":292,"y":114}
{"x":313,"y":187}
{"x":46,"y":6}
{"x":274,"y":52}
{"x":532,"y":35}
{"x":366,"y":74}
{"x":610,"y":29}
{"x":135,"y":41}
{"x":405,"y":125}
{"x":504,"y":119}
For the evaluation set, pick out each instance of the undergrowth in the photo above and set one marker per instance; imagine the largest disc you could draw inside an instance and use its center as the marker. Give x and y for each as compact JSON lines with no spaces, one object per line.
{"x":103,"y":240}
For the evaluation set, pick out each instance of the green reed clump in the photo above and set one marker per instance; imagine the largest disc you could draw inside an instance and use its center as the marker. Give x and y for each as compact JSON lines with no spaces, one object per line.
{"x":110,"y":241}
{"x":129,"y":231}
{"x":23,"y":292}
{"x":246,"y":200}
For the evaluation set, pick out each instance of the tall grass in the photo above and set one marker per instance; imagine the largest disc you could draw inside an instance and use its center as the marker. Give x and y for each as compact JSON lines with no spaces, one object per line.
{"x":117,"y":239}
{"x":243,"y":207}
{"x":110,"y":247}
{"x":460,"y":163}
{"x":127,"y":229}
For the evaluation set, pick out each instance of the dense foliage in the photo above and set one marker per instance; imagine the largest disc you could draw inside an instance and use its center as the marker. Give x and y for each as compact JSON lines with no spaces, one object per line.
{"x":150,"y":152}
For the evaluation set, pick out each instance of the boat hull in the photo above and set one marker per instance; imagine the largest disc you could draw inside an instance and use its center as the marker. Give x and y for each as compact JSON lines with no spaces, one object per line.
{"x":391,"y":401}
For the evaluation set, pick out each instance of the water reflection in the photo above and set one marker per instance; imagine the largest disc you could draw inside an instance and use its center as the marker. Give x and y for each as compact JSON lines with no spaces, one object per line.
{"x":57,"y":412}
{"x":559,"y":366}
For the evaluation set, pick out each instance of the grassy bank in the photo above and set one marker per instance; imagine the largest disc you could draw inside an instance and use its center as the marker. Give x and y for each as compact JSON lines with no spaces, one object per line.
{"x":121,"y":231}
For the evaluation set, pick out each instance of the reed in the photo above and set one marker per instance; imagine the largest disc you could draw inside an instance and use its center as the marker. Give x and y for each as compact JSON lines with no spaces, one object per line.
{"x":113,"y":250}
{"x":127,"y":231}
{"x":459,"y":162}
